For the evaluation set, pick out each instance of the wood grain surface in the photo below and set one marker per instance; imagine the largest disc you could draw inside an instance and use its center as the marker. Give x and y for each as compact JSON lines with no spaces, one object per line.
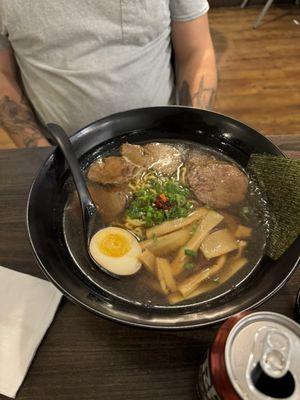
{"x":259,"y":69}
{"x":85,"y":357}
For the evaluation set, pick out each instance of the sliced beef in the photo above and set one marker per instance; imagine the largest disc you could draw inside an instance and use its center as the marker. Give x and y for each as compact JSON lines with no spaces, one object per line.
{"x":215,"y":183}
{"x":166,"y":158}
{"x":110,"y":201}
{"x":113,"y":171}
{"x":196,"y":159}
{"x":137,"y":154}
{"x":161,"y":157}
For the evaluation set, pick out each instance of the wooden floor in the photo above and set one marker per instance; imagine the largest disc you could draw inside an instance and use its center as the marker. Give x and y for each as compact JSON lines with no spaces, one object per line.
{"x":259,"y":70}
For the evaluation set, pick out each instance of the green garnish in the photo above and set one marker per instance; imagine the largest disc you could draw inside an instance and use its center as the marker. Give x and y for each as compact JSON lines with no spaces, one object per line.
{"x":216,"y":280}
{"x":190,"y":253}
{"x":246,"y":213}
{"x":188,"y":266}
{"x":154,"y":237}
{"x":193,"y":230}
{"x":160,"y":199}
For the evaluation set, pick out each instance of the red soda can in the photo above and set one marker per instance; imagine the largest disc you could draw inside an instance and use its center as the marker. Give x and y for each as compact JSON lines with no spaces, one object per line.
{"x":255,"y":356}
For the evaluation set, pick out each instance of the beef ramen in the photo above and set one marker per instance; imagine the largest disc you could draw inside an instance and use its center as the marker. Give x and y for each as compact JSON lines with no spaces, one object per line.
{"x":183,"y":222}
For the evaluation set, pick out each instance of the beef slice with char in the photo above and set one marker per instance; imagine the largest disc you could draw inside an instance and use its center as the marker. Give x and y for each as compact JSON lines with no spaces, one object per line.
{"x":110,"y":200}
{"x":137,"y":154}
{"x":166,"y":158}
{"x":163,"y":158}
{"x":113,"y":170}
{"x":215,"y":183}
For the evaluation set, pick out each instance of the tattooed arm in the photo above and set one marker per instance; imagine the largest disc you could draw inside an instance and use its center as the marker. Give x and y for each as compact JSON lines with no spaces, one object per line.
{"x":196,"y":74}
{"x":16,"y":116}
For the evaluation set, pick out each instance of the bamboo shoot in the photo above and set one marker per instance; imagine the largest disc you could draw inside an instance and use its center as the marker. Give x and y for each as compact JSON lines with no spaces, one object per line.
{"x":161,"y":278}
{"x":163,"y":265}
{"x":218,"y":243}
{"x":176,"y":224}
{"x":241,"y":248}
{"x":231,"y":269}
{"x":209,"y":221}
{"x":243,"y":232}
{"x":148,"y":260}
{"x":167,"y":244}
{"x":191,"y":283}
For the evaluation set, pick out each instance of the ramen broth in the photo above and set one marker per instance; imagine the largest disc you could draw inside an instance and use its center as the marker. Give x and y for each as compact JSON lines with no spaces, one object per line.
{"x":168,"y":223}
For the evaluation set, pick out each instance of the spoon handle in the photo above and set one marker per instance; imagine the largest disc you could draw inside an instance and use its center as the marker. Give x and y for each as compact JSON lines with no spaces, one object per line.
{"x":61,"y":139}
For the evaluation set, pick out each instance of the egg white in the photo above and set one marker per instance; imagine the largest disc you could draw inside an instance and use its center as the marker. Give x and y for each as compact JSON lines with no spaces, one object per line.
{"x":127,"y":264}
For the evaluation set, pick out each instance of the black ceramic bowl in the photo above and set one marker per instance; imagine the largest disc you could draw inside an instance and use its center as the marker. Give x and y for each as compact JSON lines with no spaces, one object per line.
{"x":49,"y":194}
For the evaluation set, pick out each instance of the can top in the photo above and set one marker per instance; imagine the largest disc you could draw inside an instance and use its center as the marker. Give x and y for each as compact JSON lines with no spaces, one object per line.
{"x":262,"y":353}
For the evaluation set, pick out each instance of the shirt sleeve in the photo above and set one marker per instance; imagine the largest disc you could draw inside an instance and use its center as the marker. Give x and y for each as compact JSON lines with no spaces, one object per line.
{"x":186,"y":10}
{"x":4,"y":43}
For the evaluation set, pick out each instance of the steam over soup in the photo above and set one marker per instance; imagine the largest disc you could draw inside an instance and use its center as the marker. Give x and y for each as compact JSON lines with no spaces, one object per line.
{"x":193,"y":213}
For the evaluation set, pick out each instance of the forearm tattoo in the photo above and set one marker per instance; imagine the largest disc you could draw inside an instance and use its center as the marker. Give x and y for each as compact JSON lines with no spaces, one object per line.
{"x":203,"y":98}
{"x":18,"y":121}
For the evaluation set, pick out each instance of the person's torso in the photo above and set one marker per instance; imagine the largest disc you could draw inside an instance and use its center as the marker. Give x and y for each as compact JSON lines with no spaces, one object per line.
{"x":81,"y":60}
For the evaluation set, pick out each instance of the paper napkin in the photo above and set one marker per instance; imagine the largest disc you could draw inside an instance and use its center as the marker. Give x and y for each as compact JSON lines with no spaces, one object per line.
{"x":27,"y":308}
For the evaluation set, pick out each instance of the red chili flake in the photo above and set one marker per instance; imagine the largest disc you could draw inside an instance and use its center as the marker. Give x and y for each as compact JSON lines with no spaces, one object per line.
{"x":163,"y":198}
{"x":162,"y":202}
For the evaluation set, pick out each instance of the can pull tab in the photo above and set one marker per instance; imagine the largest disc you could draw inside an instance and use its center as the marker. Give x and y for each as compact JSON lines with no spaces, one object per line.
{"x":271,"y":350}
{"x":269,"y":362}
{"x":275,"y":358}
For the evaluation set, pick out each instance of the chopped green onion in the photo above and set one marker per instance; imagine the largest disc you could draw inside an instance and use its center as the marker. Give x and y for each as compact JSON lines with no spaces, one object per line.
{"x":216,"y":280}
{"x":246,"y":213}
{"x":193,"y":230}
{"x":188,"y":266}
{"x":154,"y":237}
{"x":144,"y":208}
{"x":190,"y":253}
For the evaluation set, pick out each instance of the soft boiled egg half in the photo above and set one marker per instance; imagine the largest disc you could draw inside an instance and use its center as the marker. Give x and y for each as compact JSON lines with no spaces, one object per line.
{"x":116,"y":250}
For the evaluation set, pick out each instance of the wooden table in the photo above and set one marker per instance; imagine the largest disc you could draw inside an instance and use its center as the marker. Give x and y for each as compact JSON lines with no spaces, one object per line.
{"x":86,"y":357}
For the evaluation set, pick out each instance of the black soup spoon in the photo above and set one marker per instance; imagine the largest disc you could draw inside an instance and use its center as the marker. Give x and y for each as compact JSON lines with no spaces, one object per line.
{"x":91,"y":219}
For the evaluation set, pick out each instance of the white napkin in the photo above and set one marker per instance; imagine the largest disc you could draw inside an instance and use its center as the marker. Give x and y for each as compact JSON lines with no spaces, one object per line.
{"x":27,"y":308}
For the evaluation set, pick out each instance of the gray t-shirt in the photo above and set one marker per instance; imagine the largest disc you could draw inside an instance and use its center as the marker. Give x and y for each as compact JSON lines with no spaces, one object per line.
{"x":81,"y":60}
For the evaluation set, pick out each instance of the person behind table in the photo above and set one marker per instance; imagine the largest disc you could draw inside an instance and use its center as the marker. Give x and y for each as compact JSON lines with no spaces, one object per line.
{"x":72,"y":62}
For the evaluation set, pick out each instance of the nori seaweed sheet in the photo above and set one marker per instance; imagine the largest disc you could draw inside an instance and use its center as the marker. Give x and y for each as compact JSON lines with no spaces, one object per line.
{"x":279,"y":179}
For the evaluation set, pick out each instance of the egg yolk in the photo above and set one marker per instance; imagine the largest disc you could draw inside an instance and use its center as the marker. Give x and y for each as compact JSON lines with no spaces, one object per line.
{"x":114,"y":245}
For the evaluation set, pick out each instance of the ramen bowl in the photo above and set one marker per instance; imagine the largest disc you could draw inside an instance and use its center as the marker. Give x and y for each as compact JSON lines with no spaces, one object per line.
{"x":67,"y":265}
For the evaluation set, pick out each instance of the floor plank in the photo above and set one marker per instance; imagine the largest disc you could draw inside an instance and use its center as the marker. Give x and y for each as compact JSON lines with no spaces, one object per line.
{"x":259,"y":69}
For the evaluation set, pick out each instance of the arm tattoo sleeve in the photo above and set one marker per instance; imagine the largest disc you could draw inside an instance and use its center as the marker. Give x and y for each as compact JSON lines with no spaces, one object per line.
{"x":203,"y":98}
{"x":18,"y":121}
